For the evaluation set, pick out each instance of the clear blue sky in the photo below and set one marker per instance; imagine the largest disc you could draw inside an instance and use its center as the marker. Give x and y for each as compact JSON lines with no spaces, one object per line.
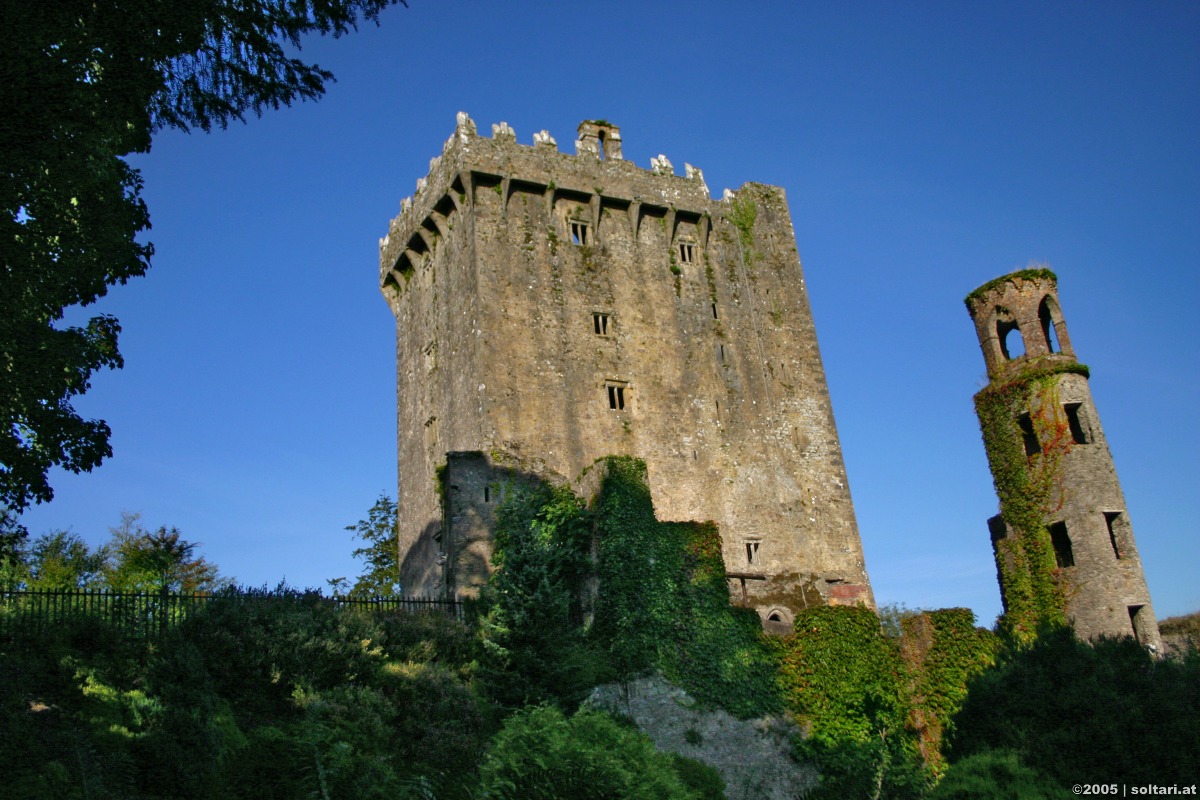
{"x":925,"y":148}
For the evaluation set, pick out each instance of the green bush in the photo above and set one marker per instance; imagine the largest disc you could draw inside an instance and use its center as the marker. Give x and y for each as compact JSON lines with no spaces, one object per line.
{"x":996,"y":775}
{"x":701,"y":778}
{"x":1100,"y":713}
{"x":541,"y":755}
{"x":533,"y":647}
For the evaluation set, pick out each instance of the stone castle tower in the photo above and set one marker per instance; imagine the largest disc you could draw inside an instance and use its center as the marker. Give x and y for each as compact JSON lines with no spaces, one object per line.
{"x":1063,"y":536}
{"x":552,"y":309}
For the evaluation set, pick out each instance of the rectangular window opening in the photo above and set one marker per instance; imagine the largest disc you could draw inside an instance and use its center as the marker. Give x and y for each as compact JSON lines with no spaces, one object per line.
{"x":616,"y":396}
{"x":687,"y":253}
{"x":1063,"y":554}
{"x":1028,"y":435}
{"x":1078,"y":431}
{"x":600,"y":324}
{"x":580,"y":233}
{"x":487,"y":494}
{"x":714,"y":310}
{"x":752,"y":552}
{"x":1115,"y":521}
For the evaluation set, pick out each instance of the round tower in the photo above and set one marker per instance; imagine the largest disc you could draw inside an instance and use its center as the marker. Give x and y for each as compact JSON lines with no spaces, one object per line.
{"x":1063,"y":541}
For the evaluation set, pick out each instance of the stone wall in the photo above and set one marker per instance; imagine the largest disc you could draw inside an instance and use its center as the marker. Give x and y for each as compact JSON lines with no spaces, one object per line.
{"x":561,"y":308}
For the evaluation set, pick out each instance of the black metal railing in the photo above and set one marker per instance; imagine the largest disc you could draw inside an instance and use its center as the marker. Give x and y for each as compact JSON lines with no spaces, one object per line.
{"x":150,"y":614}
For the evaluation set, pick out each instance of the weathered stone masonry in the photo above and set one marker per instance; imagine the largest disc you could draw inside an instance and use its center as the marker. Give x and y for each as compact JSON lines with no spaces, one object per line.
{"x":1022,"y":333}
{"x":552,"y":309}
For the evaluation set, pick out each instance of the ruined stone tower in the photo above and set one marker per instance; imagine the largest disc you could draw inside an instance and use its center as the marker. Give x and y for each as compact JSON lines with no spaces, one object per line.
{"x":552,"y":309}
{"x":1063,"y":541}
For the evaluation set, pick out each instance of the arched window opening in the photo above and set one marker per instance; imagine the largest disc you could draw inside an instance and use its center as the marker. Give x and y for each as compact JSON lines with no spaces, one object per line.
{"x":1046,"y":316}
{"x":1012,"y":343}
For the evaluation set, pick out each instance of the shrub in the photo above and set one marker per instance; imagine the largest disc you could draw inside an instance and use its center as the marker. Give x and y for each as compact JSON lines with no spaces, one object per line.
{"x":996,"y":775}
{"x":1139,"y":716}
{"x":541,"y":755}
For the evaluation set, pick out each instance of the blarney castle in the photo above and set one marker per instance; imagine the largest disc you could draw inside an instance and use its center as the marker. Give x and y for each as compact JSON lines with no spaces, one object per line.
{"x":553,"y":308}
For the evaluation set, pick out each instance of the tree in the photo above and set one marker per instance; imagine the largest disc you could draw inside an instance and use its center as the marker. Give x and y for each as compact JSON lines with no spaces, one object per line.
{"x":139,"y":560}
{"x":62,"y":561}
{"x":83,"y":84}
{"x":14,"y":540}
{"x":381,"y":574}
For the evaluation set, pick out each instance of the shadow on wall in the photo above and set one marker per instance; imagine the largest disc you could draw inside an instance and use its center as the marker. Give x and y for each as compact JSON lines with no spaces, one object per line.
{"x":452,"y":555}
{"x":422,"y":567}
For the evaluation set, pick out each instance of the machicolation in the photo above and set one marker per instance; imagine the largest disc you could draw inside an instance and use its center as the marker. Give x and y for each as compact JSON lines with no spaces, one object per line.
{"x":552,"y":309}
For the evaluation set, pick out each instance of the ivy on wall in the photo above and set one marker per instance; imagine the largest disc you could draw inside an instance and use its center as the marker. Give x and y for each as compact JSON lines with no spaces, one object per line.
{"x":664,"y":601}
{"x":584,"y":596}
{"x":1030,"y":490}
{"x":943,"y":651}
{"x":846,"y":684}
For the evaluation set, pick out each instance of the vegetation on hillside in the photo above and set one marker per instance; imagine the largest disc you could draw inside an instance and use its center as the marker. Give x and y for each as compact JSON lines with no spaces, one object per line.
{"x":282,"y":694}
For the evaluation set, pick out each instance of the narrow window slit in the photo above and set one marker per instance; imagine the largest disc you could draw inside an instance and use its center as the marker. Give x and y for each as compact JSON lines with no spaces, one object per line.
{"x":600,"y":323}
{"x":1028,"y":435}
{"x":1078,"y":431}
{"x":1063,"y":555}
{"x":1115,"y":522}
{"x":580,"y":233}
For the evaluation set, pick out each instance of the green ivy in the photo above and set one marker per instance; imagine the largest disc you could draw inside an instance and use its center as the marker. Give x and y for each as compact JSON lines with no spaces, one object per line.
{"x":846,"y":684}
{"x":664,"y":601}
{"x":532,"y":637}
{"x":1029,"y":489}
{"x":943,"y":651}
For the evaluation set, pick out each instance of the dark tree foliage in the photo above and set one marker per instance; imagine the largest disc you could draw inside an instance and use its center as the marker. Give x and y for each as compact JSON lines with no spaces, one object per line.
{"x":1107,"y":711}
{"x":83,"y":84}
{"x":996,"y":775}
{"x":13,"y":539}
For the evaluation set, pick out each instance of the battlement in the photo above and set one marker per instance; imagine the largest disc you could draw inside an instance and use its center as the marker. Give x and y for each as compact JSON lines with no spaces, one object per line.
{"x":1019,"y":324}
{"x":557,"y":308}
{"x":470,"y":162}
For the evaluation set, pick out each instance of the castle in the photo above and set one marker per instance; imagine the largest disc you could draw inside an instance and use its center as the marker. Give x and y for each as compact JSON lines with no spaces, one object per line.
{"x":552,"y":309}
{"x":1063,"y":540}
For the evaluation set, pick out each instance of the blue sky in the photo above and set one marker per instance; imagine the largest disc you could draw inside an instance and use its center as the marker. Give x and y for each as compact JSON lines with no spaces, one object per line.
{"x":925,"y":148}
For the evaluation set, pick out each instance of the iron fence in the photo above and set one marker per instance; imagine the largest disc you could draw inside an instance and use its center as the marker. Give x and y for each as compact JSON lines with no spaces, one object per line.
{"x":150,"y":614}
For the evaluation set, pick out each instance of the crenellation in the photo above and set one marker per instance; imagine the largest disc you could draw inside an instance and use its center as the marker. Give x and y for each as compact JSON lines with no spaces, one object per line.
{"x":502,"y":130}
{"x":521,"y":251}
